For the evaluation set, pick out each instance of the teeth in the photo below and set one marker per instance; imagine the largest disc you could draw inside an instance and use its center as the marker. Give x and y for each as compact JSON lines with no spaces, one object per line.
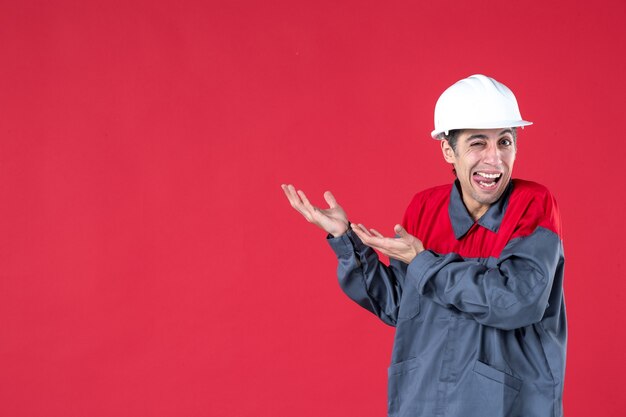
{"x":484,"y":175}
{"x":487,"y":184}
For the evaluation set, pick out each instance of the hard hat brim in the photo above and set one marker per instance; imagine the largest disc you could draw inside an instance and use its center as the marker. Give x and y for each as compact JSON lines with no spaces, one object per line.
{"x":516,"y":123}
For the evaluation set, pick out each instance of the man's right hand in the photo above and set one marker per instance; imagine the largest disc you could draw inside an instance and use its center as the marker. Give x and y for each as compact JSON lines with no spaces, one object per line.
{"x":333,"y":219}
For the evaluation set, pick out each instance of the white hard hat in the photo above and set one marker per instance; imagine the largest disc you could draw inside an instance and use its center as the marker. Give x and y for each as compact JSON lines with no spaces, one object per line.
{"x":476,"y":102}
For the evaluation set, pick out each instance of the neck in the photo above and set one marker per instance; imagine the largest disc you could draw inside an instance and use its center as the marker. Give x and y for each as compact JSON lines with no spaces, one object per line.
{"x":476,"y":210}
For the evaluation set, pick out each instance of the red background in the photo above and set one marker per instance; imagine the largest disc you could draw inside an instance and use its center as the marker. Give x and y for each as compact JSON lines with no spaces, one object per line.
{"x":149,"y":262}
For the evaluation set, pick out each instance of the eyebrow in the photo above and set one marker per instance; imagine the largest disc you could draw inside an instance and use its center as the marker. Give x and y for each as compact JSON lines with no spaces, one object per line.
{"x":479,"y":136}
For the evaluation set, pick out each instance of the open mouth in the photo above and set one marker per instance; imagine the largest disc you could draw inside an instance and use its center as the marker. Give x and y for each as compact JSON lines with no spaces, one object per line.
{"x":486,"y":180}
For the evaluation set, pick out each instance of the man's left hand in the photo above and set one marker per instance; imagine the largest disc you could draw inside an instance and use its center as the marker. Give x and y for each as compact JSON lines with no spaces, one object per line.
{"x":404,"y":248}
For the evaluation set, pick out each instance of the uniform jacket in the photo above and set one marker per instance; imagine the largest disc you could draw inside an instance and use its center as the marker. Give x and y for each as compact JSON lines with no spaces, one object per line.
{"x":479,"y":315}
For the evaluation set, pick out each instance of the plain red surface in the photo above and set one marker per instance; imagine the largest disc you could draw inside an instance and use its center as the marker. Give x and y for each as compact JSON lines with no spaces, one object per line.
{"x":149,"y":262}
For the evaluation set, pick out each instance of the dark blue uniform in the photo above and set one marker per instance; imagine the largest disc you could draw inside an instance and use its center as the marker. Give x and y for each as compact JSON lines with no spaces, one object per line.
{"x":479,"y":315}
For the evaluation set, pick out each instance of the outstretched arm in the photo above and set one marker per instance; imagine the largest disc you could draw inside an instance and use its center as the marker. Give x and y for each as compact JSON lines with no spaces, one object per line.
{"x":367,"y":281}
{"x":370,"y":283}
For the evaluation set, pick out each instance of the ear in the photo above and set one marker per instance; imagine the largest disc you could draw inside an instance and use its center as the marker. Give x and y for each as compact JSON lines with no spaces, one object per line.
{"x":448,"y":152}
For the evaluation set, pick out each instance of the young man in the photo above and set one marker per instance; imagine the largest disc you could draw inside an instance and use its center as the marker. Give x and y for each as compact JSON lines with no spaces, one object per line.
{"x":474,"y":286}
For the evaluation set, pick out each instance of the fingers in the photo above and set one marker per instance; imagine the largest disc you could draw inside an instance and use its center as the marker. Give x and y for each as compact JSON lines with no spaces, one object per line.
{"x":330,"y":199}
{"x":411,"y":240}
{"x":290,"y":192}
{"x":299,"y":198}
{"x":361,"y":230}
{"x":400,"y":231}
{"x":305,"y":200}
{"x":297,"y":201}
{"x":292,"y":196}
{"x":334,"y":220}
{"x":372,"y":233}
{"x":310,"y":208}
{"x":311,"y":213}
{"x":362,"y":233}
{"x":376,"y":240}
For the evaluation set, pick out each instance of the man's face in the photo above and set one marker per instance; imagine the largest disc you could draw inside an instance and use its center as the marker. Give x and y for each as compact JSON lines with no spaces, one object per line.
{"x":483,"y":161}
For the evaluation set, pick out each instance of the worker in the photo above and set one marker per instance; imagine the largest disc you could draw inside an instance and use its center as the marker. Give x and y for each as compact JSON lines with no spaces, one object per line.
{"x":474,"y":282}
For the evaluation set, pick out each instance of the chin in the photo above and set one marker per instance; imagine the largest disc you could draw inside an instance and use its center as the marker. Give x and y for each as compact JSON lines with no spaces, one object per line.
{"x":488,"y":198}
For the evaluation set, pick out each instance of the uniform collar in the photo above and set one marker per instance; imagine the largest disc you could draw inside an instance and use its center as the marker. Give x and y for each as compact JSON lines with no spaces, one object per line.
{"x":461,"y":219}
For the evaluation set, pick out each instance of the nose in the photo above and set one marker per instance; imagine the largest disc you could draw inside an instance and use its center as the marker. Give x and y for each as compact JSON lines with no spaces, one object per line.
{"x":492,"y":155}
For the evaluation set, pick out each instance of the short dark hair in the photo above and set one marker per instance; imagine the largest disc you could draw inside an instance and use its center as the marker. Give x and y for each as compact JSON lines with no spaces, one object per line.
{"x":453,"y":136}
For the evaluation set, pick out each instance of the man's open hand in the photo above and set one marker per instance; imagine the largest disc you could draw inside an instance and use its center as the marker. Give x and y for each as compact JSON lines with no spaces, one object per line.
{"x":333,"y":219}
{"x":404,"y":248}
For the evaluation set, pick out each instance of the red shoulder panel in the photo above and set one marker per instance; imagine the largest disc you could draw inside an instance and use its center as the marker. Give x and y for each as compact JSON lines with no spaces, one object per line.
{"x":530,"y":206}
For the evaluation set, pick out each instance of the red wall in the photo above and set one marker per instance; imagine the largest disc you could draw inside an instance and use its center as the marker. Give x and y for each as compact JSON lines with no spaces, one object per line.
{"x":149,"y":262}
